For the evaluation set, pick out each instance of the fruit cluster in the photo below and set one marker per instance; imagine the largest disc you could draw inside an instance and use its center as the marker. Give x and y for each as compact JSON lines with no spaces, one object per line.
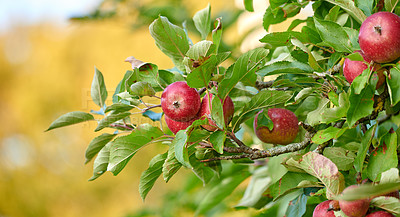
{"x":182,"y":105}
{"x":379,"y":40}
{"x":355,"y":208}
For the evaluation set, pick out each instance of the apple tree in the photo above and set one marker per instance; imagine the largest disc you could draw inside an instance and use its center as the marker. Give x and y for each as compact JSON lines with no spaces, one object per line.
{"x":296,"y":121}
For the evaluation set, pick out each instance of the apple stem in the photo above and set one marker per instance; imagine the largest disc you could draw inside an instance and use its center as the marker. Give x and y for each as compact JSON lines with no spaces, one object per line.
{"x":176,"y":104}
{"x":378,"y":29}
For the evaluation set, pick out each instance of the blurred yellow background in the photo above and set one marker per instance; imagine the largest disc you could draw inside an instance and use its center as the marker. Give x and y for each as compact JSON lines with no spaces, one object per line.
{"x":46,"y":71}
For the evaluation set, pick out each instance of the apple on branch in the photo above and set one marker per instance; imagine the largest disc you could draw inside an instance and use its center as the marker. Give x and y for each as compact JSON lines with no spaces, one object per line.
{"x":180,"y":102}
{"x":285,"y":126}
{"x":379,"y":37}
{"x":325,"y":209}
{"x":354,"y":208}
{"x":380,"y":214}
{"x":353,"y":68}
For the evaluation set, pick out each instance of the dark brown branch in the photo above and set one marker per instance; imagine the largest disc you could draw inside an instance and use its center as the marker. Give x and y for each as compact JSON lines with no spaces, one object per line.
{"x":254,"y":154}
{"x":151,"y":107}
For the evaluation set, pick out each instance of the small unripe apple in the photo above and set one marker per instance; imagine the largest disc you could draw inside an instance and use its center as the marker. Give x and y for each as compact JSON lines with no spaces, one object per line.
{"x":324,"y":209}
{"x":285,"y":127}
{"x":180,"y":102}
{"x":379,"y":37}
{"x":380,"y":214}
{"x":175,"y":126}
{"x":227,"y":108}
{"x":355,"y":208}
{"x":352,"y":69}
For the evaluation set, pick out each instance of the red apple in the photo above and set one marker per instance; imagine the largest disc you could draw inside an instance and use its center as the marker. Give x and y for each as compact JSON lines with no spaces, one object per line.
{"x":205,"y":111}
{"x":379,"y":37}
{"x":393,"y":194}
{"x":285,"y":127}
{"x":355,"y":208}
{"x":180,"y":102}
{"x":175,"y":126}
{"x":352,"y":69}
{"x":380,"y":214}
{"x":324,"y":209}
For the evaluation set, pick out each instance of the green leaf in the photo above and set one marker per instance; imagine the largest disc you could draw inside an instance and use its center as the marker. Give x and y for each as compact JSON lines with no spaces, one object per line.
{"x":259,"y":183}
{"x":366,"y":6}
{"x":341,"y":157}
{"x":181,"y":152}
{"x":362,"y":151}
{"x":220,"y":192}
{"x":201,"y":75}
{"x":170,"y":39}
{"x":325,"y":170}
{"x":276,"y":39}
{"x":111,"y":118}
{"x":142,"y":88}
{"x":290,"y":182}
{"x":98,"y":90}
{"x":101,"y":162}
{"x":125,"y":147}
{"x":368,"y":191}
{"x":202,"y":21}
{"x":390,"y":5}
{"x":70,"y":119}
{"x":263,"y":99}
{"x":333,"y":14}
{"x":263,"y":120}
{"x":217,"y":139}
{"x":327,"y":134}
{"x":311,"y":58}
{"x":248,"y":5}
{"x":243,"y":71}
{"x":118,"y":108}
{"x":297,"y":206}
{"x":202,"y":170}
{"x":151,"y":174}
{"x":361,"y":105}
{"x":391,"y":175}
{"x":121,"y":86}
{"x":217,"y":33}
{"x":394,"y":85}
{"x":200,"y":49}
{"x":96,"y":145}
{"x":149,"y":73}
{"x":285,"y":67}
{"x":390,"y":204}
{"x":171,"y":164}
{"x":350,"y":8}
{"x":383,"y":157}
{"x":315,"y":117}
{"x":332,"y":34}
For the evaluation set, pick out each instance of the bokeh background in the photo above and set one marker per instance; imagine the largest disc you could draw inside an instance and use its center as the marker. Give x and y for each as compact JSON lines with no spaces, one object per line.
{"x":47,"y":64}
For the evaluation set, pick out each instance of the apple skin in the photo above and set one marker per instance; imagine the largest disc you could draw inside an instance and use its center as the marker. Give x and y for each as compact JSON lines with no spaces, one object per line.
{"x":379,"y":37}
{"x":380,"y":214}
{"x":352,"y":69}
{"x":286,"y":127}
{"x":355,"y":208}
{"x":175,"y":126}
{"x":227,"y":107}
{"x":321,"y":210}
{"x":180,"y":102}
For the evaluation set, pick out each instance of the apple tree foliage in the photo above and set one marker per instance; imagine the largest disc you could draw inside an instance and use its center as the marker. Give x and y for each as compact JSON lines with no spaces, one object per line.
{"x":349,"y":133}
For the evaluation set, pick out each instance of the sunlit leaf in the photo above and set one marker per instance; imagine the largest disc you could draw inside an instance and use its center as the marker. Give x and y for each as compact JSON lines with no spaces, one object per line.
{"x":202,"y":21}
{"x":171,"y":164}
{"x":70,"y":119}
{"x":349,"y":7}
{"x":181,"y":152}
{"x":285,"y":67}
{"x":341,"y":157}
{"x":142,"y":88}
{"x":361,"y":105}
{"x":390,"y":204}
{"x":151,"y":174}
{"x":98,"y":90}
{"x":170,"y":39}
{"x":124,"y":147}
{"x":327,"y":134}
{"x":101,"y":162}
{"x":362,"y":151}
{"x":111,"y":118}
{"x":96,"y":145}
{"x":217,"y":139}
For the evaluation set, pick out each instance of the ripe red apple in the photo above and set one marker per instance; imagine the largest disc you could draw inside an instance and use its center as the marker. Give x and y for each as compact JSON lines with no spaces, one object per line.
{"x":380,"y":214}
{"x":285,"y":127}
{"x":393,"y":194}
{"x":227,"y":108}
{"x":355,"y":208}
{"x":324,"y":209}
{"x":352,"y":69}
{"x":180,"y":102}
{"x":379,"y":37}
{"x":175,"y":126}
